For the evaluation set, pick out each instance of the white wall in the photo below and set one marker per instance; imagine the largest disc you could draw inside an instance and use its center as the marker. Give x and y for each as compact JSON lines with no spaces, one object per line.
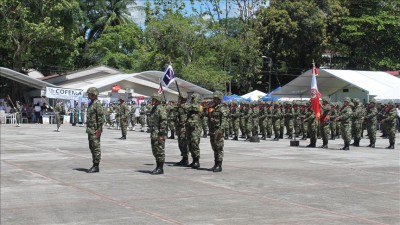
{"x":354,"y":92}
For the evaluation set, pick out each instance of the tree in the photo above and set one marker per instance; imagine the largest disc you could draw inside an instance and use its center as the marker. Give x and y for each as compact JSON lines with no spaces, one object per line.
{"x":39,"y":34}
{"x":119,"y":47}
{"x":371,"y":35}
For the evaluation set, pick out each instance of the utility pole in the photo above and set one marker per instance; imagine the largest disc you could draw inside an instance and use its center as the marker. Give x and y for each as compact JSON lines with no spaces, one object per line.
{"x":269,"y":73}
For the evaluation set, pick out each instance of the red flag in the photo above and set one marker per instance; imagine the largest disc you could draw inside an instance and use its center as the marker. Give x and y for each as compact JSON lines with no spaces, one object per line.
{"x":160,"y":89}
{"x":315,"y":94}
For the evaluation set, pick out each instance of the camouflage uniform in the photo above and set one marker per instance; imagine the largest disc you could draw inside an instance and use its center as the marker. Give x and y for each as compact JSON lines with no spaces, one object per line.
{"x":194,"y":129}
{"x":325,"y":121}
{"x":338,"y":122}
{"x":57,"y":112}
{"x":255,"y":119}
{"x":132,"y":116}
{"x":242,"y":119}
{"x":181,"y":122}
{"x":204,"y":119}
{"x":289,"y":119}
{"x":142,"y":117}
{"x":276,"y":120}
{"x":282,"y":122}
{"x":333,"y":124}
{"x":268,"y":120}
{"x":216,"y":117}
{"x":358,"y":114}
{"x":171,"y":118}
{"x":148,"y":110}
{"x":345,"y":117}
{"x":95,"y":121}
{"x":312,"y":127}
{"x":235,"y":117}
{"x":261,"y":120}
{"x":75,"y":115}
{"x":123,"y":115}
{"x":158,"y":131}
{"x":371,"y":120}
{"x":227,"y":121}
{"x":390,"y":122}
{"x":18,"y":113}
{"x":296,"y":118}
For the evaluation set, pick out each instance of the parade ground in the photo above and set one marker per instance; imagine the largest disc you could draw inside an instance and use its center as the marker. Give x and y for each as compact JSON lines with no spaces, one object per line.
{"x":44,"y":181}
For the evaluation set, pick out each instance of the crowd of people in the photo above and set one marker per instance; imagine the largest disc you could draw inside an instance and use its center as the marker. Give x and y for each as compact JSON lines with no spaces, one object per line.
{"x":193,"y":118}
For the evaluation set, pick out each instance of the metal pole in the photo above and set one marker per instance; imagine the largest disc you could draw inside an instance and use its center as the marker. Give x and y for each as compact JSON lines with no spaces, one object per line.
{"x":269,"y":77}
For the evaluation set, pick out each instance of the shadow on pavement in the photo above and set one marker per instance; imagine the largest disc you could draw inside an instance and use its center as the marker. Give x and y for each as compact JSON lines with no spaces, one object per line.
{"x":81,"y":169}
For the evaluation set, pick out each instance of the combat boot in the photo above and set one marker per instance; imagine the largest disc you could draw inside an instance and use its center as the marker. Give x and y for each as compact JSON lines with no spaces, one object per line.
{"x":391,"y":146}
{"x":218,"y":167}
{"x":95,"y":168}
{"x":346,"y":147}
{"x":311,"y":145}
{"x":324,"y":145}
{"x":235,"y":138}
{"x":215,"y":165}
{"x":195,"y":164}
{"x":332,"y":137}
{"x":226,"y":137}
{"x":123,"y":137}
{"x":269,"y":136}
{"x":183,"y":162}
{"x":159,"y":169}
{"x":372,"y":145}
{"x":263,"y":137}
{"x":205,"y":135}
{"x":172,"y":135}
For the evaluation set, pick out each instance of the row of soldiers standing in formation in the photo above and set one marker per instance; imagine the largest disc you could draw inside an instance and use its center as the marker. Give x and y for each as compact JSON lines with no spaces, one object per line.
{"x":267,"y":119}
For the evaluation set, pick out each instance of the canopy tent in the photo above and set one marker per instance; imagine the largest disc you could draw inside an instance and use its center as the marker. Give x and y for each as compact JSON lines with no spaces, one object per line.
{"x":340,"y":83}
{"x":269,"y":97}
{"x":392,"y":94}
{"x":254,"y":95}
{"x":232,"y":97}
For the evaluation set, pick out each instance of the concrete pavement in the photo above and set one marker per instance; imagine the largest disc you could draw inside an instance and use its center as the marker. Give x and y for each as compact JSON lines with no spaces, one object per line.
{"x":43,"y":181}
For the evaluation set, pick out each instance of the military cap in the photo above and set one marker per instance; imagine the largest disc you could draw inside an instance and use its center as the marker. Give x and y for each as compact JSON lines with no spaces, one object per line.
{"x":218,"y":94}
{"x":122,"y":98}
{"x":277,"y":103}
{"x":289,"y":103}
{"x":372,"y":100}
{"x":325,"y":99}
{"x":391,"y":103}
{"x":196,"y":97}
{"x":92,"y":90}
{"x":346,"y":99}
{"x":156,"y":96}
{"x":234,"y":102}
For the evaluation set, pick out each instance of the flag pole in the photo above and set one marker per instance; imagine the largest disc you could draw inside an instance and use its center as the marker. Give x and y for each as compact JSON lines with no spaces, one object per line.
{"x":165,"y":98}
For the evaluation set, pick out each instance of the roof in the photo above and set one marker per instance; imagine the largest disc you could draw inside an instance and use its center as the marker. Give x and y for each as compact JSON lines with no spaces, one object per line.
{"x":24,"y":79}
{"x":147,"y":78}
{"x":254,"y":95}
{"x":332,"y":81}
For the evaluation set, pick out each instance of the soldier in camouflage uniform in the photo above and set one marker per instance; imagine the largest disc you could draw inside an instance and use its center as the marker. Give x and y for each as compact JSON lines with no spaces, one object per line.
{"x":338,"y":108}
{"x":117,"y":116}
{"x":194,"y":129}
{"x":95,"y":121}
{"x":282,"y":121}
{"x":132,"y":116}
{"x":242,"y":120}
{"x":345,"y":117}
{"x":216,"y":117}
{"x":302,"y":116}
{"x":247,"y":119}
{"x":235,"y":117}
{"x":204,"y":118}
{"x":268,"y":119}
{"x":255,"y":119}
{"x":123,"y":116}
{"x":276,"y":120}
{"x":325,"y":121}
{"x":227,"y":121}
{"x":296,"y":119}
{"x":181,"y":126}
{"x":142,"y":117}
{"x":289,"y":119}
{"x":261,"y":120}
{"x":18,"y":113}
{"x":158,"y":131}
{"x":312,"y":127}
{"x":75,"y":114}
{"x":57,"y":112}
{"x":171,"y":118}
{"x":149,"y":106}
{"x":332,"y":125}
{"x":390,"y":123}
{"x":358,"y":114}
{"x":371,"y":119}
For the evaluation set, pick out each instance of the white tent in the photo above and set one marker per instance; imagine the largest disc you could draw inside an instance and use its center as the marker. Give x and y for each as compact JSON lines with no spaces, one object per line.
{"x":341,"y":83}
{"x":254,"y":95}
{"x":392,"y":94}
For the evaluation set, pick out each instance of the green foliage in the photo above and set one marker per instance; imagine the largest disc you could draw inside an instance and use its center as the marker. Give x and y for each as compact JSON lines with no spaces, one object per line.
{"x":119,"y":47}
{"x":39,"y":34}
